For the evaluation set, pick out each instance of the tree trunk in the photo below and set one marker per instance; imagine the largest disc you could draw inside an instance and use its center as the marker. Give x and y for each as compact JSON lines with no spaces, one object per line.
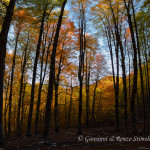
{"x":124,"y":86}
{"x":6,"y":106}
{"x":52,"y":75}
{"x":129,"y":81}
{"x":56,"y":96}
{"x":87,"y":92}
{"x":116,"y":82}
{"x":70,"y":106}
{"x":116,"y":86}
{"x":21,"y":88}
{"x":66,"y":109}
{"x":99,"y":109}
{"x":41,"y":83}
{"x":138,"y":107}
{"x":37,"y":109}
{"x":34,"y":72}
{"x":134,"y":86}
{"x":11,"y":84}
{"x":81,"y":63}
{"x":22,"y":111}
{"x":93,"y":105}
{"x":148,"y":86}
{"x":3,"y":42}
{"x":140,"y":67}
{"x":39,"y":92}
{"x":119,"y":43}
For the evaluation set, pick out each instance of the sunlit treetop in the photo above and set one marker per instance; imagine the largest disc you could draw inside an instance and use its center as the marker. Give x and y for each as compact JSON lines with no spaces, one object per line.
{"x":36,"y":7}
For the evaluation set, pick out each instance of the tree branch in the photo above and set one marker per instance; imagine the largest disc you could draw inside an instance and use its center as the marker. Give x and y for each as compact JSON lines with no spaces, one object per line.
{"x":3,"y":3}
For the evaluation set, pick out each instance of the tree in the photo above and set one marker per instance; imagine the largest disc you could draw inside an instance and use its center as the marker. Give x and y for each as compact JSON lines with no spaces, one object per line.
{"x":99,"y":66}
{"x":88,"y":72}
{"x":12,"y":78}
{"x":35,"y":68}
{"x":140,"y":66}
{"x":70,"y":105}
{"x":3,"y":42}
{"x":142,"y":22}
{"x":113,"y":32}
{"x":42,"y":75}
{"x":134,"y":86}
{"x":119,"y":43}
{"x":52,"y":74}
{"x":82,"y":31}
{"x":21,"y":84}
{"x":63,"y":64}
{"x":109,"y":33}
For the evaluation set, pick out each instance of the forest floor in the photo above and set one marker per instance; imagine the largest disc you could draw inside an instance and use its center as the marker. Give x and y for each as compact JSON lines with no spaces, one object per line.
{"x":68,"y":139}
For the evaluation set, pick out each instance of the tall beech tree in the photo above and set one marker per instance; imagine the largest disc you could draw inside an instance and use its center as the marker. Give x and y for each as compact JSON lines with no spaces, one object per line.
{"x":52,"y":75}
{"x":3,"y":42}
{"x":82,"y":41}
{"x":6,"y":105}
{"x":118,"y":40}
{"x":12,"y":78}
{"x":63,"y":54}
{"x":134,"y":86}
{"x":23,"y":67}
{"x":116,"y":82}
{"x":93,"y":104}
{"x":140,"y":66}
{"x":113,"y":31}
{"x":142,"y":34}
{"x":43,"y":74}
{"x":35,"y":69}
{"x":56,"y":83}
{"x":88,"y":72}
{"x":109,"y":33}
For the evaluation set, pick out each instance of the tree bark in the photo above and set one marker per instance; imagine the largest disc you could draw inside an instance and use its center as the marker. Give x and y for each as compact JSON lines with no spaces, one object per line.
{"x":66,"y":109}
{"x":21,"y":87}
{"x":52,"y":75}
{"x":134,"y":86}
{"x":129,"y":80}
{"x":93,"y":105}
{"x":87,"y":91}
{"x":3,"y":42}
{"x":81,"y":63}
{"x":11,"y":84}
{"x":140,"y":67}
{"x":70,"y":106}
{"x":22,"y":111}
{"x":34,"y":72}
{"x":119,"y":43}
{"x":99,"y":109}
{"x":147,"y":82}
{"x":56,"y":95}
{"x":42,"y":78}
{"x":6,"y":106}
{"x":116,"y":86}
